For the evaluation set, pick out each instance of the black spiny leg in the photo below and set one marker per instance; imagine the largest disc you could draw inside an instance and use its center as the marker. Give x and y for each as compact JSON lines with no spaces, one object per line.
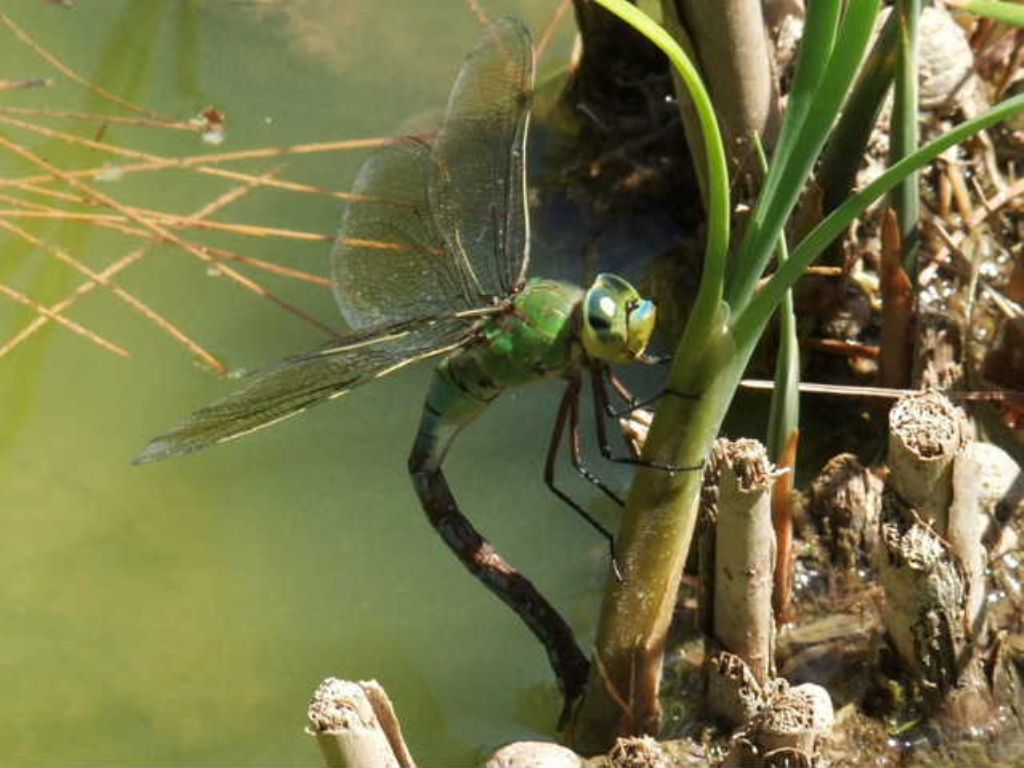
{"x":632,"y":403}
{"x":576,"y":450}
{"x":568,"y":410}
{"x":603,"y":410}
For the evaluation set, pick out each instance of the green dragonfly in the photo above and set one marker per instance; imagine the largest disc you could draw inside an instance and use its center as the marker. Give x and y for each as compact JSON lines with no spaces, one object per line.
{"x":431,"y":261}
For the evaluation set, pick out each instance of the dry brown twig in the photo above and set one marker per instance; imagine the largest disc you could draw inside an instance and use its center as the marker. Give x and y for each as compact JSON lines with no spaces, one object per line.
{"x":68,"y":72}
{"x":105,"y":277}
{"x":152,"y":226}
{"x":51,"y":314}
{"x":550,"y":28}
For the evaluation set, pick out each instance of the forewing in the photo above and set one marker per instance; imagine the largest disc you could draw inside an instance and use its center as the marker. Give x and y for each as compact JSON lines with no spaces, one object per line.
{"x":389,"y":264}
{"x":296,"y":383}
{"x":477,"y":177}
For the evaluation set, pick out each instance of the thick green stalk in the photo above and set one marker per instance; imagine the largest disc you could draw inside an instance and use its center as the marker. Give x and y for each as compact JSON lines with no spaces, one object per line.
{"x":659,"y":517}
{"x":655,"y":534}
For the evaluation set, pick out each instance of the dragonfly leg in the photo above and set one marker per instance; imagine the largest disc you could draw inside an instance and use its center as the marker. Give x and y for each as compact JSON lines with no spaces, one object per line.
{"x":568,"y":411}
{"x":631,"y":401}
{"x":624,"y":393}
{"x":603,"y":410}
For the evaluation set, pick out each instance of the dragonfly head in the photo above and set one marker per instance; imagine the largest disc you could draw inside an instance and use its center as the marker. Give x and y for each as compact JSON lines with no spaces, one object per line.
{"x":617,"y":321}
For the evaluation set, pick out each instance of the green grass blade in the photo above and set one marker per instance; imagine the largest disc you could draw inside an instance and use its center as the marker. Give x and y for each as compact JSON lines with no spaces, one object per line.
{"x":1007,"y":13}
{"x":820,"y":30}
{"x":747,"y":326}
{"x":774,"y":207}
{"x":844,"y":152}
{"x":784,"y":411}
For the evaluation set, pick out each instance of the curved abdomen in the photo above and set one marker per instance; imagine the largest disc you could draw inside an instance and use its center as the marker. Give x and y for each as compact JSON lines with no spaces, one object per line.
{"x":457,"y":395}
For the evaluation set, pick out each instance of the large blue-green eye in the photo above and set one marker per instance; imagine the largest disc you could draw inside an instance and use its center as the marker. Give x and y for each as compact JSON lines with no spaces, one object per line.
{"x":617,"y":322}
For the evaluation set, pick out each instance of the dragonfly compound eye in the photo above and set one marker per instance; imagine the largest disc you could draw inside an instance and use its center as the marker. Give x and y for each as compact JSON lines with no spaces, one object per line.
{"x":617,"y":322}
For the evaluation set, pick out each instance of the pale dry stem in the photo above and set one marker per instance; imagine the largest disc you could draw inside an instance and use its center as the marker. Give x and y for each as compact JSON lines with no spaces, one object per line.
{"x":68,"y":72}
{"x":164,"y":233}
{"x":71,"y":325}
{"x":120,"y":265}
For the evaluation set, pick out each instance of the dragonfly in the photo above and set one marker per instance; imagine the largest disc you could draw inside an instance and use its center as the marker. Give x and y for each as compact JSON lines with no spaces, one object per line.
{"x":432,"y":261}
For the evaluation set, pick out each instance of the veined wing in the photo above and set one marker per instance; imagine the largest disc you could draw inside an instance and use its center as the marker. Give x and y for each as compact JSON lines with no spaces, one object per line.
{"x":477,"y":177}
{"x":289,"y":387}
{"x":389,"y":263}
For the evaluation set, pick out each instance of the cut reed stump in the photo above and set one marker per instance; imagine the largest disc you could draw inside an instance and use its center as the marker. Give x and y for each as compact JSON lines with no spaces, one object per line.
{"x":947,"y":498}
{"x":737,"y":561}
{"x":355,"y":726}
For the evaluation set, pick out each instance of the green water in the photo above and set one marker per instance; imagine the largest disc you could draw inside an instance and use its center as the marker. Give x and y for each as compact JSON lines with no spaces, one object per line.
{"x":183,"y":612}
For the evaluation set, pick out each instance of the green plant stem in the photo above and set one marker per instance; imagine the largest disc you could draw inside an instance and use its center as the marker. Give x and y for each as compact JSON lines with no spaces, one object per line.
{"x":654,"y":538}
{"x":712,"y":282}
{"x":906,"y":199}
{"x":1007,"y":13}
{"x":784,"y":412}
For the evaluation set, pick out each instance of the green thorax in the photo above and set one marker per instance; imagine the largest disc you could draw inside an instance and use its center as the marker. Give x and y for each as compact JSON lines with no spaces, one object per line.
{"x":534,"y":339}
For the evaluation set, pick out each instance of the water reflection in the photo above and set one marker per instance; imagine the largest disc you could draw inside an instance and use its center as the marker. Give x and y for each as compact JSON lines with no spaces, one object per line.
{"x":183,"y":614}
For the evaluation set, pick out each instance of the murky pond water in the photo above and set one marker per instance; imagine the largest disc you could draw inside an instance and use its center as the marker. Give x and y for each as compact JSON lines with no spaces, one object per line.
{"x":183,"y":612}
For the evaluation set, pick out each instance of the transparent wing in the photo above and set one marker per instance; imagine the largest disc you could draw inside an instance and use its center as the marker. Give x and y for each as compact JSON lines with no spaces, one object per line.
{"x":389,"y":264}
{"x":477,"y":179}
{"x":296,"y":383}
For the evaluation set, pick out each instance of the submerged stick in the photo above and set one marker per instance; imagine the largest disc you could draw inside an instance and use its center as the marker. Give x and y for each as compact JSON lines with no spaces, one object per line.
{"x":164,"y":234}
{"x":110,"y":272}
{"x":46,"y":313}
